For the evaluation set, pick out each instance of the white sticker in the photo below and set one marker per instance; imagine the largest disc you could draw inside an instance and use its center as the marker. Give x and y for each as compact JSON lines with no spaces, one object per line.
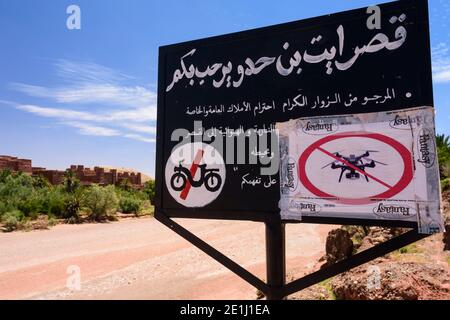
{"x":379,"y":166}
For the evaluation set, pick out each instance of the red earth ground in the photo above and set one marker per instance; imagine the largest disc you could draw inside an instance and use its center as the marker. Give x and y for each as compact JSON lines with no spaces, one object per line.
{"x":142,"y":259}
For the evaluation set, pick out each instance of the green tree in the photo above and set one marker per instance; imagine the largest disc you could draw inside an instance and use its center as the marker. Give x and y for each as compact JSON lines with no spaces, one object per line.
{"x":4,"y":174}
{"x":41,"y":182}
{"x":71,"y":182}
{"x":443,"y":149}
{"x":125,"y":184}
{"x":130,"y":204}
{"x":15,"y":191}
{"x":149,"y":189}
{"x":72,"y":206}
{"x":101,"y":202}
{"x":443,"y":142}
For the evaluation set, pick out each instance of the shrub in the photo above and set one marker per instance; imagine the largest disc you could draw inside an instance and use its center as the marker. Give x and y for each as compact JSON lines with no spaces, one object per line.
{"x":101,"y":202}
{"x":125,"y":184}
{"x":72,"y":207}
{"x":71,"y":182}
{"x":12,"y":220}
{"x":17,"y":193}
{"x":4,"y":207}
{"x":130,"y":205}
{"x":411,"y":249}
{"x":149,"y":189}
{"x":73,"y":220}
{"x":445,"y":184}
{"x":444,"y":169}
{"x":147,"y":208}
{"x":41,"y":182}
{"x":52,"y":221}
{"x":4,"y":174}
{"x":15,"y":189}
{"x":31,"y":205}
{"x":54,"y":202}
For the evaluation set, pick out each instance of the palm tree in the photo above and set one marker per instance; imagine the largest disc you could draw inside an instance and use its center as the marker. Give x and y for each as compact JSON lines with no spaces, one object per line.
{"x":442,"y":142}
{"x":71,"y":183}
{"x":125,"y":184}
{"x":443,"y":150}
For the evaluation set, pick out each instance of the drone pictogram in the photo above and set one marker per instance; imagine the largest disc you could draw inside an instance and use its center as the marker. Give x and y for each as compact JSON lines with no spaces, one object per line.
{"x":352,"y":163}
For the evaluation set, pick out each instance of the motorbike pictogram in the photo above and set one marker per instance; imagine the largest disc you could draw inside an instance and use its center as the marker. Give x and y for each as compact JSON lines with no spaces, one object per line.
{"x":208,"y":177}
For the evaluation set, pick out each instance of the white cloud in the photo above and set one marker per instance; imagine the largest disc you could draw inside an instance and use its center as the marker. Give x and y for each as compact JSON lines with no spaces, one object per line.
{"x":117,"y":108}
{"x":443,"y":76}
{"x":441,"y":63}
{"x":66,"y":114}
{"x":72,"y":118}
{"x":91,"y":130}
{"x":141,"y":128}
{"x":82,"y":71}
{"x":83,"y":93}
{"x":138,"y":137}
{"x":134,"y":117}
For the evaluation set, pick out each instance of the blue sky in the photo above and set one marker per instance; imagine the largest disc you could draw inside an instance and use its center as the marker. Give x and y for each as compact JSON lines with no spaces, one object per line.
{"x":89,"y":96}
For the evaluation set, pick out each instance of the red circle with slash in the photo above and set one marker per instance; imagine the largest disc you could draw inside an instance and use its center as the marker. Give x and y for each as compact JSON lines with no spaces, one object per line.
{"x":404,"y":181}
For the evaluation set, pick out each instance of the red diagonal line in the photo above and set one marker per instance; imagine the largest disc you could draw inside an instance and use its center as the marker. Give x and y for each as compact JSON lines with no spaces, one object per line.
{"x":354,"y":168}
{"x":193,"y":169}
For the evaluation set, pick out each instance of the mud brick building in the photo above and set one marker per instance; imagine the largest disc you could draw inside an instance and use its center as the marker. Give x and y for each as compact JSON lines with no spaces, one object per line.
{"x":55,"y":177}
{"x":15,"y":164}
{"x":102,"y":177}
{"x":87,"y":176}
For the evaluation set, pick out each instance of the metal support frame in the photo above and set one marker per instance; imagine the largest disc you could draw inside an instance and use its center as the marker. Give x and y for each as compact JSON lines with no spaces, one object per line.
{"x":212,"y":252}
{"x":275,"y":259}
{"x":276,"y":287}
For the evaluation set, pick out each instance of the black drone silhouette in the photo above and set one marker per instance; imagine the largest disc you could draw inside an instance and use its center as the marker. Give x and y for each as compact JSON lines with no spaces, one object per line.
{"x":360,"y":162}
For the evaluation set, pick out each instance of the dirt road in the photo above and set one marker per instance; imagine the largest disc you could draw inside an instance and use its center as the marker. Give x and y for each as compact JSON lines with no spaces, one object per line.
{"x":142,"y":259}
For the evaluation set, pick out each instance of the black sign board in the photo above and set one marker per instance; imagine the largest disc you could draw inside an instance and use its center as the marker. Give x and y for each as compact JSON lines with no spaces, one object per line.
{"x":220,"y":98}
{"x":256,"y":78}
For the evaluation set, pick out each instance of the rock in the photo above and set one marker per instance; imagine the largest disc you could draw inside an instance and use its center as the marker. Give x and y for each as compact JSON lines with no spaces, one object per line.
{"x":395,"y":281}
{"x":446,"y":208}
{"x":339,"y":246}
{"x":446,"y":201}
{"x":259,"y":295}
{"x":446,"y":235}
{"x":377,"y":235}
{"x":41,"y":223}
{"x":357,"y":233}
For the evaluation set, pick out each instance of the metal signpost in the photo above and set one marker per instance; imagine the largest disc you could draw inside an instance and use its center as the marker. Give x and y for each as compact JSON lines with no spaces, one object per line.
{"x":326,"y":120}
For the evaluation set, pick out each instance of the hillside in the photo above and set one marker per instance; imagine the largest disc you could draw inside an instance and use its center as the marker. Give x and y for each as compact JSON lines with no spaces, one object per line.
{"x":419,"y":271}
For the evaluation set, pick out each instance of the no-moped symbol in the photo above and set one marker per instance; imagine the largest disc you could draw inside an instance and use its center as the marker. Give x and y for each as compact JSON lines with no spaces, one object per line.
{"x":195,"y":181}
{"x":208,"y":177}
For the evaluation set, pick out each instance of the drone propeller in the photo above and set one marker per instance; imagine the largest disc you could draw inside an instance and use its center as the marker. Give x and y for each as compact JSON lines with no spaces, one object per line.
{"x":384,"y":164}
{"x":337,"y":154}
{"x":370,"y":150}
{"x":328,"y":164}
